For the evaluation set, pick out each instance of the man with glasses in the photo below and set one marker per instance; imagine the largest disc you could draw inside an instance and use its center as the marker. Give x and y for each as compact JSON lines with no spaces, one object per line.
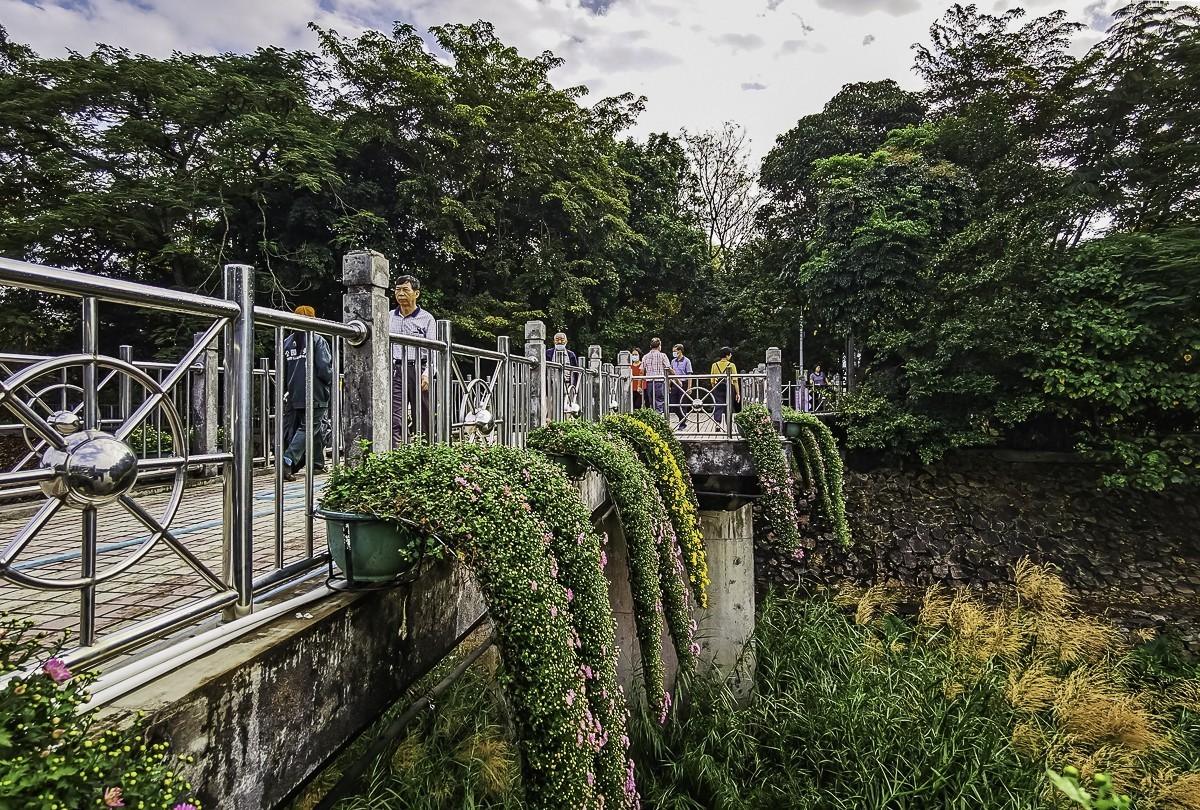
{"x":410,"y":364}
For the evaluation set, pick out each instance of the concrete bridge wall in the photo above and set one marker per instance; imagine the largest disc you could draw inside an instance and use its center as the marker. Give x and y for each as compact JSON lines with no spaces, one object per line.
{"x":264,"y":712}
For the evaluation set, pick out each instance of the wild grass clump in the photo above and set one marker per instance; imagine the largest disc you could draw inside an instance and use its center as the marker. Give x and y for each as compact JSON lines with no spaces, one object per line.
{"x":965,"y":707}
{"x":459,"y":754}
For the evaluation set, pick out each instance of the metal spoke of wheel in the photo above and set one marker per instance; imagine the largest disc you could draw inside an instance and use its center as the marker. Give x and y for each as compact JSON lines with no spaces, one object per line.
{"x":148,"y":520}
{"x":32,"y":526}
{"x":135,"y":419}
{"x":30,"y":418}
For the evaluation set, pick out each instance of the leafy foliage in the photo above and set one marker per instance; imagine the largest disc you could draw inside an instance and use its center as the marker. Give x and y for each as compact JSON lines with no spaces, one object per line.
{"x":820,"y":456}
{"x":774,"y":476}
{"x":54,"y":756}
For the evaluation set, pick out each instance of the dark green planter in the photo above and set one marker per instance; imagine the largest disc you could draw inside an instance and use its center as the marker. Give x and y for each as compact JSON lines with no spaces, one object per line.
{"x":379,"y":549}
{"x":793,"y":430}
{"x":573,"y":466}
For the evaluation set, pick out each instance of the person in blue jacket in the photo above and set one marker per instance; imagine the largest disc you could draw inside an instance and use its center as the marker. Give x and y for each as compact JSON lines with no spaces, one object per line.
{"x":295,"y":398}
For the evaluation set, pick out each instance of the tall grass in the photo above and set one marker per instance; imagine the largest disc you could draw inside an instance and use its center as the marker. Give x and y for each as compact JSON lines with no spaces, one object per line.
{"x":843,"y":717}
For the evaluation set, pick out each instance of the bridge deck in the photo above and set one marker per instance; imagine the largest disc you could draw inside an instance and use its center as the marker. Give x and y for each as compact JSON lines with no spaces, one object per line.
{"x":161,"y":580}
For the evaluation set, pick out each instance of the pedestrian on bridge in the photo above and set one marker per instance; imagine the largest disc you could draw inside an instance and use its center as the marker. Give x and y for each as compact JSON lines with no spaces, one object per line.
{"x":410,"y":364}
{"x":681,"y":385}
{"x":638,"y":375}
{"x":657,"y":368}
{"x":725,"y":389}
{"x":296,"y":403}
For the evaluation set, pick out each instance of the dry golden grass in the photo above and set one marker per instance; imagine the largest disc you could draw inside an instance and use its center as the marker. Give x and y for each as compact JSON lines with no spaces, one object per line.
{"x":1028,"y":741}
{"x":1170,"y":790}
{"x":408,"y":753}
{"x":1096,"y":715}
{"x":491,"y":758}
{"x":1121,"y":765}
{"x":877,"y":602}
{"x":1040,"y":591}
{"x":1033,"y":690}
{"x":935,"y":607}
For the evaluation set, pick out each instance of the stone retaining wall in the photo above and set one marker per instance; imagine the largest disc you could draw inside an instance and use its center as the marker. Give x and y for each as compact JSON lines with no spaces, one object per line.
{"x":964,"y":522}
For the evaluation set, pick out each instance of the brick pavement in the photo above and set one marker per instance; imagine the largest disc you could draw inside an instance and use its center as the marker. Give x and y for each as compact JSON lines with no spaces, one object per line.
{"x":160,"y":580}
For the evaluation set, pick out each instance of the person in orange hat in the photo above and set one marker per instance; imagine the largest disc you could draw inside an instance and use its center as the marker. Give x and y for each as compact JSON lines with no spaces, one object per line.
{"x":296,"y":403}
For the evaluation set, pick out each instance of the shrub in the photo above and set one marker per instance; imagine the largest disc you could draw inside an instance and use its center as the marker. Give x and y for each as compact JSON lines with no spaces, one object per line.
{"x":55,"y":757}
{"x":821,"y":458}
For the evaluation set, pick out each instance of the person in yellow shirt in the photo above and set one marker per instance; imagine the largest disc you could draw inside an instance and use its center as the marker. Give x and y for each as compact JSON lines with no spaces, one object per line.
{"x":722,"y":395}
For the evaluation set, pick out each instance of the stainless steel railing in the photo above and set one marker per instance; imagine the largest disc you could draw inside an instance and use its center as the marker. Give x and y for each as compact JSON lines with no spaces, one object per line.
{"x":143,"y":496}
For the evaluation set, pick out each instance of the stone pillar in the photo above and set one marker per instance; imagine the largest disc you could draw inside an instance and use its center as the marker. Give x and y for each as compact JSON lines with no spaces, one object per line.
{"x":367,"y":367}
{"x":535,"y":350}
{"x":725,"y":626}
{"x":595,"y":384}
{"x":625,"y":392}
{"x":775,"y":384}
{"x":205,"y":417}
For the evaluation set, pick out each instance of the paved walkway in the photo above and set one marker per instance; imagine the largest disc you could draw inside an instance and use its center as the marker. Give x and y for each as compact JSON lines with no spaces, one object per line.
{"x":161,"y":580}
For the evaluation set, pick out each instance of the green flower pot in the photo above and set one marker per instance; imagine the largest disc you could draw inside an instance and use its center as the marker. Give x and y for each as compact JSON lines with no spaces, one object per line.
{"x":793,"y":430}
{"x":573,"y":466}
{"x":380,"y":550}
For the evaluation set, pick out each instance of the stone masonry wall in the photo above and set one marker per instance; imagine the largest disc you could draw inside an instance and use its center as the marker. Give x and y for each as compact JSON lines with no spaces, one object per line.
{"x":963,"y":522}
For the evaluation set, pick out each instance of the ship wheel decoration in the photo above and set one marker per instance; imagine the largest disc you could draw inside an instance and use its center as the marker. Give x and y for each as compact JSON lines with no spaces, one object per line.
{"x":479,"y":423}
{"x":83,"y":460}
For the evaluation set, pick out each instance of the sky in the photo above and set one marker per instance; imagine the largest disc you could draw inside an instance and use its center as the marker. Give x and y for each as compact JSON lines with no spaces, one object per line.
{"x":761,"y":64}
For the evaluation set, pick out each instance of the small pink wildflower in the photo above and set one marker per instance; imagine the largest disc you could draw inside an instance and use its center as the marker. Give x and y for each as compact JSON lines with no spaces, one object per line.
{"x":58,"y":673}
{"x":112,"y":797}
{"x":533,"y":584}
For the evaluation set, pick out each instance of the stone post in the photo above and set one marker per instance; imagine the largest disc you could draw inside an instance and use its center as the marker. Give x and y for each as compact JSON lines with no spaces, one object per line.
{"x":625,"y":393}
{"x":205,"y":417}
{"x":535,"y":350}
{"x":595,"y":383}
{"x":775,"y":384}
{"x":367,"y":366}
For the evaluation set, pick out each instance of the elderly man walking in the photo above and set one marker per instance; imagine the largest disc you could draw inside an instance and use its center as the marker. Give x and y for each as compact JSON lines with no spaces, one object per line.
{"x":410,"y":364}
{"x":657,"y":368}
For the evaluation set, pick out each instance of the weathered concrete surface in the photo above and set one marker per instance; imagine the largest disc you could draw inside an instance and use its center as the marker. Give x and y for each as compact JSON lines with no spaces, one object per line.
{"x":262,"y":713}
{"x":725,"y":626}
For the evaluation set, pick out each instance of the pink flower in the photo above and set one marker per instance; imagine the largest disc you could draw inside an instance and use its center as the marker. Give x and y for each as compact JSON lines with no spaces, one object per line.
{"x":533,"y":584}
{"x":112,"y":797}
{"x":58,"y":672}
{"x":570,"y":595}
{"x":553,"y":612}
{"x":603,"y":559}
{"x":185,"y":806}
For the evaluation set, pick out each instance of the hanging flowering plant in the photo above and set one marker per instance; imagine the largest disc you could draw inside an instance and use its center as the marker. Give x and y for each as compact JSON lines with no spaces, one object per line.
{"x":53,"y":757}
{"x":653,"y":555}
{"x":766,"y":451}
{"x":655,"y":420}
{"x":670,"y":480}
{"x":824,"y":464}
{"x":486,"y":516}
{"x":579,"y":557}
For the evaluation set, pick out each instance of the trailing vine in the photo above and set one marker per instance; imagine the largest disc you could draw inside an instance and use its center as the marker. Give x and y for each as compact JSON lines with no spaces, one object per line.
{"x":577,"y":551}
{"x":655,"y":420}
{"x":766,"y":451}
{"x":649,"y":541}
{"x":820,"y":449}
{"x":486,"y":516}
{"x":672,"y":484}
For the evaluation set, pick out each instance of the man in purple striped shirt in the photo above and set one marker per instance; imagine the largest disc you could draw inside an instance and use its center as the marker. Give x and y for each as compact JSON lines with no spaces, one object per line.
{"x":657,"y":368}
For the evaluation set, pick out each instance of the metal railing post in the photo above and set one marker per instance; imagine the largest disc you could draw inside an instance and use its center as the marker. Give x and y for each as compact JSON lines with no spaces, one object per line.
{"x":443,"y":395}
{"x":239,"y":416}
{"x":205,"y":404}
{"x":535,"y":349}
{"x":125,"y":353}
{"x":367,"y":365}
{"x":501,"y":403}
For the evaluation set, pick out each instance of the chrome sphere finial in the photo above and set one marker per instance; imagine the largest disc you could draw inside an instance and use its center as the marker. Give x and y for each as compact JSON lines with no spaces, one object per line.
{"x":485,"y":421}
{"x":93,"y":469}
{"x":65,"y":422}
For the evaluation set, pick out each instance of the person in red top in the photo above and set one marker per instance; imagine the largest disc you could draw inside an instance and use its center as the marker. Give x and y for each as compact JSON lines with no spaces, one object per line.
{"x":639,"y":378}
